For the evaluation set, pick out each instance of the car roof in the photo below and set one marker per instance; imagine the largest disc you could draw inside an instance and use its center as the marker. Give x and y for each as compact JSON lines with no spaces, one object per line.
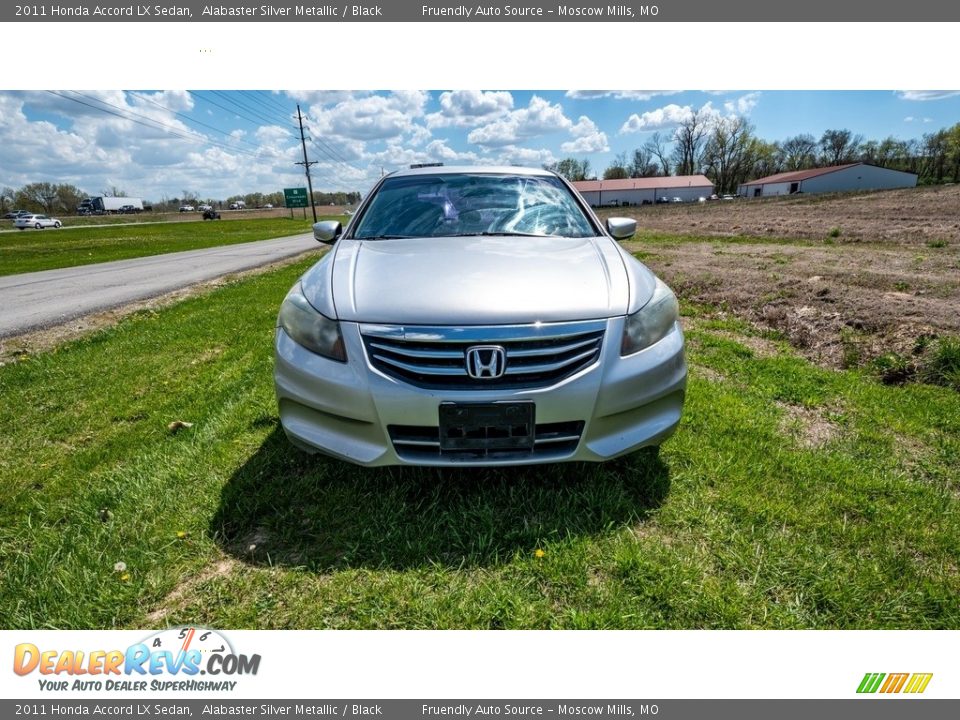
{"x":473,"y":170}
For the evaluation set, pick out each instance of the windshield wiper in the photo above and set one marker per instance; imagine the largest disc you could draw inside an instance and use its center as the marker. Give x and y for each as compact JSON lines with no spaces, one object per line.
{"x":503,"y":233}
{"x":384,"y":237}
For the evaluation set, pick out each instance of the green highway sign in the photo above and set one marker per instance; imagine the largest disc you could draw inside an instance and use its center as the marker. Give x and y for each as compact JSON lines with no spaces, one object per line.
{"x":295,"y":197}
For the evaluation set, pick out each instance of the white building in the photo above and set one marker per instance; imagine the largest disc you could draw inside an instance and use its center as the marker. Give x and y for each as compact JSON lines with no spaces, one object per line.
{"x":636,"y":191}
{"x":839,"y":178}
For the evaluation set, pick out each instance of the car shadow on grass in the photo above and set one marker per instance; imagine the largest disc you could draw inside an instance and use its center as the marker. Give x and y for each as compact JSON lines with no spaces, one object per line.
{"x":284,"y":507}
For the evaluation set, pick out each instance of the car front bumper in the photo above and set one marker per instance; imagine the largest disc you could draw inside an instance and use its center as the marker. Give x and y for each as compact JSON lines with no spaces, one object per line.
{"x":354,"y":412}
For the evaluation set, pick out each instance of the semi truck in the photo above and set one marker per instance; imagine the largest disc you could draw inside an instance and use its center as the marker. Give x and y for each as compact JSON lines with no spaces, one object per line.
{"x":107,"y":205}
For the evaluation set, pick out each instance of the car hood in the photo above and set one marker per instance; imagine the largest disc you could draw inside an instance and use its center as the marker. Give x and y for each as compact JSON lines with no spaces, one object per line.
{"x":480,"y":280}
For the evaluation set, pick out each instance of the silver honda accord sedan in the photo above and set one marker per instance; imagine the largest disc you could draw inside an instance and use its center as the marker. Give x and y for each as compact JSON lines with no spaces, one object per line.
{"x":478,"y":316}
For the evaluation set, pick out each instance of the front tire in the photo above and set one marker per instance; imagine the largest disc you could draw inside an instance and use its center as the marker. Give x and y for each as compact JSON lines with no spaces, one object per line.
{"x":38,"y":226}
{"x":57,"y":225}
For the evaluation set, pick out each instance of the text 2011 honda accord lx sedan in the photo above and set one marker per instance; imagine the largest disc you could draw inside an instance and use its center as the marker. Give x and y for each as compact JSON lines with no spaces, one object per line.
{"x":478,"y":316}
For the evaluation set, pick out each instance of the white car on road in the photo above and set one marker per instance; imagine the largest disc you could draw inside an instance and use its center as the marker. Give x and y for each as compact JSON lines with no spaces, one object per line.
{"x":35,"y":221}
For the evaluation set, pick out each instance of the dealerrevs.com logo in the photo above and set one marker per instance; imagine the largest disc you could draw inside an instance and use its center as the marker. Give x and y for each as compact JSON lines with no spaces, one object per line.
{"x":911,"y":683}
{"x":172,"y":659}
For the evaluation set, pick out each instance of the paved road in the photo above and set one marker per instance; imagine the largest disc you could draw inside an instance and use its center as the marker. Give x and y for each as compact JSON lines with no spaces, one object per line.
{"x":50,"y":297}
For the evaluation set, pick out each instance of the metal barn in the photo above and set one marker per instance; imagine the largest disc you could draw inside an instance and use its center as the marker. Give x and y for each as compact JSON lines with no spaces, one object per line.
{"x":636,"y":191}
{"x":838,"y":178}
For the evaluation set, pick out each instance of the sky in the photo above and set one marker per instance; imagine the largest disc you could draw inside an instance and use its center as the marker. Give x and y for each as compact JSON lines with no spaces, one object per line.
{"x":161,"y":144}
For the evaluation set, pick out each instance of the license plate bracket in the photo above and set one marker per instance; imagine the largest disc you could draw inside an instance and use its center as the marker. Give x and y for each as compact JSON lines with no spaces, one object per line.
{"x":487,"y":426}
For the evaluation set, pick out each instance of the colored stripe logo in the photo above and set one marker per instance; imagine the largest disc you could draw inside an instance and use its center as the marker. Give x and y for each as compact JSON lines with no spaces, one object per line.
{"x":913,"y":683}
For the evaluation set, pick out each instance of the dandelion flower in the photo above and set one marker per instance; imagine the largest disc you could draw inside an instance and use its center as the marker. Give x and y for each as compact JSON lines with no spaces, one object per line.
{"x":120,"y":566}
{"x":539,"y":553}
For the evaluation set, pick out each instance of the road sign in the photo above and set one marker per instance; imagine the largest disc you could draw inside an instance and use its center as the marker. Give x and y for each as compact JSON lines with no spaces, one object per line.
{"x":295,"y":197}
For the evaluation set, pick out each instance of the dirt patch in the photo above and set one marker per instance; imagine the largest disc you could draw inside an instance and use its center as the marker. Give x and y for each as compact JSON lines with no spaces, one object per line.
{"x":807,"y":426}
{"x":914,"y":216}
{"x":175,"y":598}
{"x":838,"y":305}
{"x":16,"y":347}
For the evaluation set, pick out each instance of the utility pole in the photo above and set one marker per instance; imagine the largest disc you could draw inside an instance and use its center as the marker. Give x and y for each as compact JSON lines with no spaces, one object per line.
{"x":306,"y":164}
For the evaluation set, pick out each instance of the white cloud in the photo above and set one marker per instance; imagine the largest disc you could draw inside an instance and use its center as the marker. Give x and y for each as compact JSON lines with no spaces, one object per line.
{"x":375,"y":117}
{"x":668,"y":116}
{"x":641,"y":95}
{"x":525,"y":156}
{"x":588,"y":138}
{"x":923,"y":95}
{"x":743,"y":104}
{"x":538,"y":118}
{"x":671,"y":116}
{"x":466,"y":108}
{"x":324,"y":97}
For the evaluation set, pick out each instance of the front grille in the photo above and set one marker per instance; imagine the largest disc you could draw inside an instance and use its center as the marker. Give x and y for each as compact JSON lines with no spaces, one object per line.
{"x":552,"y":440}
{"x":435,"y":358}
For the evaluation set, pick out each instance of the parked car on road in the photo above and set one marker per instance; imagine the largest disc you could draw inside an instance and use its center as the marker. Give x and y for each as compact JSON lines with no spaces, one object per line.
{"x":478,"y":316}
{"x":677,"y":200}
{"x":186,"y":208}
{"x":35,"y":221}
{"x":204,"y":207}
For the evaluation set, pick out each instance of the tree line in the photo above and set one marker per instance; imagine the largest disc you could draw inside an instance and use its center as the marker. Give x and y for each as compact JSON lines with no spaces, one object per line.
{"x":63,"y":198}
{"x":728,"y":151}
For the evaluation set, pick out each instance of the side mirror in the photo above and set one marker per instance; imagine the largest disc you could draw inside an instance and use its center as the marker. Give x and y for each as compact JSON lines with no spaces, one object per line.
{"x":621,"y":228}
{"x":327,"y":231}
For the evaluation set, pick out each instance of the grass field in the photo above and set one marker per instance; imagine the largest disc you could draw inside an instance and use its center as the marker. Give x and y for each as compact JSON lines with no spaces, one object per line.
{"x":33,"y":250}
{"x":792,"y":496}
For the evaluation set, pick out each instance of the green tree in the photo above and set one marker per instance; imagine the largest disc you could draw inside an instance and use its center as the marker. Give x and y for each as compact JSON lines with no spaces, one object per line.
{"x":618,"y":169}
{"x":838,"y":147}
{"x":7,"y":196}
{"x":572,"y":169}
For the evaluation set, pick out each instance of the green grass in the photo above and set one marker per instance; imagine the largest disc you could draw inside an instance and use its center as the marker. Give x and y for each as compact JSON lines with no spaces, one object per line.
{"x":791,"y":497}
{"x":33,"y":250}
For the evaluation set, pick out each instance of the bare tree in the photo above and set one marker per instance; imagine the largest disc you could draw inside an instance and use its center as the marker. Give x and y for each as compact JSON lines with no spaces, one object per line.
{"x":659,"y":147}
{"x":642,"y":164}
{"x":799,"y":152}
{"x":689,"y":139}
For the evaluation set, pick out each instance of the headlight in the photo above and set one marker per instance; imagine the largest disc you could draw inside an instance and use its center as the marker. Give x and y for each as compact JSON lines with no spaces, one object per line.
{"x":651,"y":322}
{"x":307,"y":327}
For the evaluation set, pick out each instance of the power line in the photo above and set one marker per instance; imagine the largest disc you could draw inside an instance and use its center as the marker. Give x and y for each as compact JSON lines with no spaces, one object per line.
{"x":246,"y":108}
{"x":234,"y":112}
{"x":187,"y":118}
{"x":276,"y":103}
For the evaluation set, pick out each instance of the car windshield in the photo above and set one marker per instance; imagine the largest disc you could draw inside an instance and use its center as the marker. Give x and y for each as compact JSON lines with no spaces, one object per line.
{"x":439,"y":205}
